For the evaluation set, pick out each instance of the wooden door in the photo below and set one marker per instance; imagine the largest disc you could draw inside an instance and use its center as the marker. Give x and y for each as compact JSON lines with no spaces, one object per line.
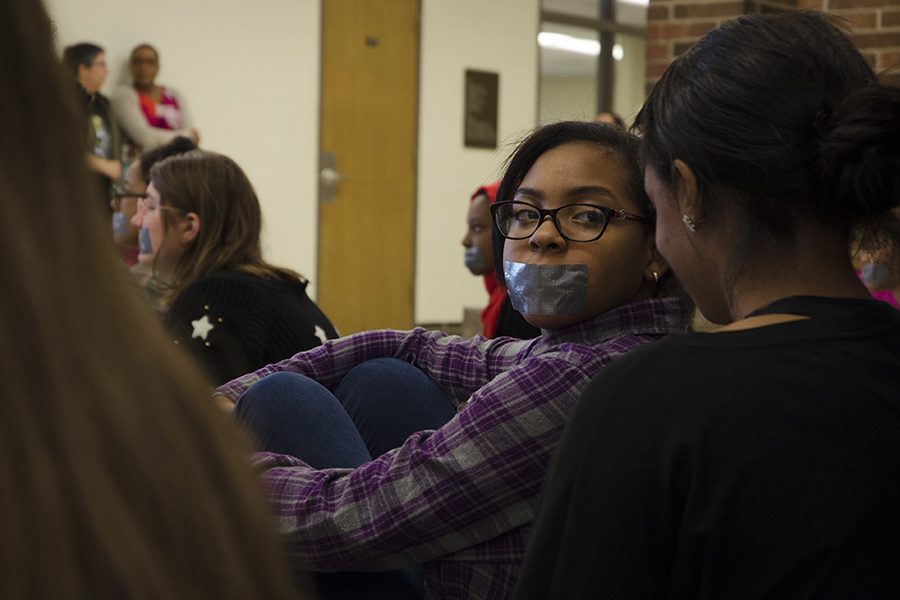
{"x":369,"y":114}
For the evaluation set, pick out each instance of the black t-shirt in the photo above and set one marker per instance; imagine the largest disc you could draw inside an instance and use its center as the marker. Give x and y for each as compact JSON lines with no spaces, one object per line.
{"x":762,"y":463}
{"x":234,"y":323}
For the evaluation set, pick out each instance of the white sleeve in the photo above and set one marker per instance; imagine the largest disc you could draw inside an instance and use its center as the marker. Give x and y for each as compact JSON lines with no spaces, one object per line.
{"x":187,"y":121}
{"x":128,"y":113}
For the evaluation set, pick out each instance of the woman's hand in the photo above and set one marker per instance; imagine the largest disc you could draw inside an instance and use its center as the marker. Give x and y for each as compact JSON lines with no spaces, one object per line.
{"x":108,"y":167}
{"x":224,"y":402}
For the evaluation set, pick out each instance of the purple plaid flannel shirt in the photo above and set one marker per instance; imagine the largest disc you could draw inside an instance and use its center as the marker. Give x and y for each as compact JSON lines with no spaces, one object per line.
{"x":460,"y":499}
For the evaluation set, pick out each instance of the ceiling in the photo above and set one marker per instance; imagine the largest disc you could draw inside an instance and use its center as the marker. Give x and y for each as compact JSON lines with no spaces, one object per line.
{"x":630,"y":12}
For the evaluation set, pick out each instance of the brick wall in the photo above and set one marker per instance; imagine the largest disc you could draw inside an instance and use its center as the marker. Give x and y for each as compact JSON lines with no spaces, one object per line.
{"x":673,"y":25}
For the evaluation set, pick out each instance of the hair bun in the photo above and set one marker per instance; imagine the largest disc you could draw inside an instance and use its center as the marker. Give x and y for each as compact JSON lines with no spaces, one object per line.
{"x":860,"y":152}
{"x":181,"y":144}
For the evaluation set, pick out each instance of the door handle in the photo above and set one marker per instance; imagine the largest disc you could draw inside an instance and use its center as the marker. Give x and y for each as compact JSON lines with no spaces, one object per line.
{"x":329,"y":177}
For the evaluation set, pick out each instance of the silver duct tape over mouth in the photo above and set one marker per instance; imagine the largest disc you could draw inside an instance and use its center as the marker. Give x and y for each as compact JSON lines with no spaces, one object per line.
{"x":546,"y":289}
{"x":119,"y":223}
{"x":874,"y":274}
{"x":475,"y":260}
{"x":144,"y":245}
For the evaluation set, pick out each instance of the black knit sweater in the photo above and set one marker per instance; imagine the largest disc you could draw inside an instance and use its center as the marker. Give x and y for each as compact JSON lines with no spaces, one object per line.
{"x":234,"y":323}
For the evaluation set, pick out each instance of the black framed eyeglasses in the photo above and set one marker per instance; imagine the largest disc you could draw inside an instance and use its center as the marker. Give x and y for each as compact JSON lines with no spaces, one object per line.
{"x":119,"y":193}
{"x":575,"y":222}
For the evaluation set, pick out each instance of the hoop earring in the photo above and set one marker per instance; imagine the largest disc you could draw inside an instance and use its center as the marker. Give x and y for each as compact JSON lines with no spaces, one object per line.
{"x":689,"y":223}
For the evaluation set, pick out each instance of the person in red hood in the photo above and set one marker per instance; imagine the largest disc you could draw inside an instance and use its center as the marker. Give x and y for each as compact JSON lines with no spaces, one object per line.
{"x":498,"y":318}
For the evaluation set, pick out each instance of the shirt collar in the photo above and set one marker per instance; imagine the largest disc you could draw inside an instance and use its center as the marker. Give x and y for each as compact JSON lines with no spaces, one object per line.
{"x":654,"y":316}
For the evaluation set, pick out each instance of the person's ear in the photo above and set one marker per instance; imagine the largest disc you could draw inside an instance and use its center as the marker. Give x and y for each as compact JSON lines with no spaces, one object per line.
{"x":687,"y":193}
{"x":82,"y":73}
{"x":656,"y":265}
{"x":189,"y":228}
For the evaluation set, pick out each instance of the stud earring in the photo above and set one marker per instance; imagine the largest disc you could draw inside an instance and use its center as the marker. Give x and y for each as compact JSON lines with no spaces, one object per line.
{"x":689,"y":223}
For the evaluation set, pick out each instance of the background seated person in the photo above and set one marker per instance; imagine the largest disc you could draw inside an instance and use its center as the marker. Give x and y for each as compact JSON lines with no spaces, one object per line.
{"x":125,"y":203}
{"x":877,"y":252}
{"x":610,"y":118}
{"x":231,"y":309}
{"x":498,"y":318}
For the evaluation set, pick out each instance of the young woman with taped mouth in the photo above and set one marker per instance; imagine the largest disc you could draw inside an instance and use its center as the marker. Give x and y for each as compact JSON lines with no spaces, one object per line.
{"x":391,"y":450}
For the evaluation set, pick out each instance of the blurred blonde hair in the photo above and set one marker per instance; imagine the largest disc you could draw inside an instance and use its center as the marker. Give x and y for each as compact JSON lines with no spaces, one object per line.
{"x":118,"y":477}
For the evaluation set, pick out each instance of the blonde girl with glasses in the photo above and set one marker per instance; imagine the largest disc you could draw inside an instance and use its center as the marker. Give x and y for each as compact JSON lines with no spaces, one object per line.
{"x":228,"y":307}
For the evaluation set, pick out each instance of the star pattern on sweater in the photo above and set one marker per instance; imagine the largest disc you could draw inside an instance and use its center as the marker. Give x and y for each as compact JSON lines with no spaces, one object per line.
{"x":202,"y":327}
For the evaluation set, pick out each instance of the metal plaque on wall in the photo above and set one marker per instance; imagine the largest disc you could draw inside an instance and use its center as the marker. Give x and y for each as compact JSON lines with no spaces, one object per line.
{"x":480,"y":129}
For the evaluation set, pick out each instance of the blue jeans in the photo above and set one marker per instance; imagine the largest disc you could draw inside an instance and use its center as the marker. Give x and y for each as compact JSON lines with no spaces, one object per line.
{"x":377,"y":405}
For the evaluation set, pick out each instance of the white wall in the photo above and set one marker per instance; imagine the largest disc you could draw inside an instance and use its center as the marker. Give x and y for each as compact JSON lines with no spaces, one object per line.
{"x":628,"y":92}
{"x":568,"y":98}
{"x":250,"y":74}
{"x":575,"y":96}
{"x":499,"y":36}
